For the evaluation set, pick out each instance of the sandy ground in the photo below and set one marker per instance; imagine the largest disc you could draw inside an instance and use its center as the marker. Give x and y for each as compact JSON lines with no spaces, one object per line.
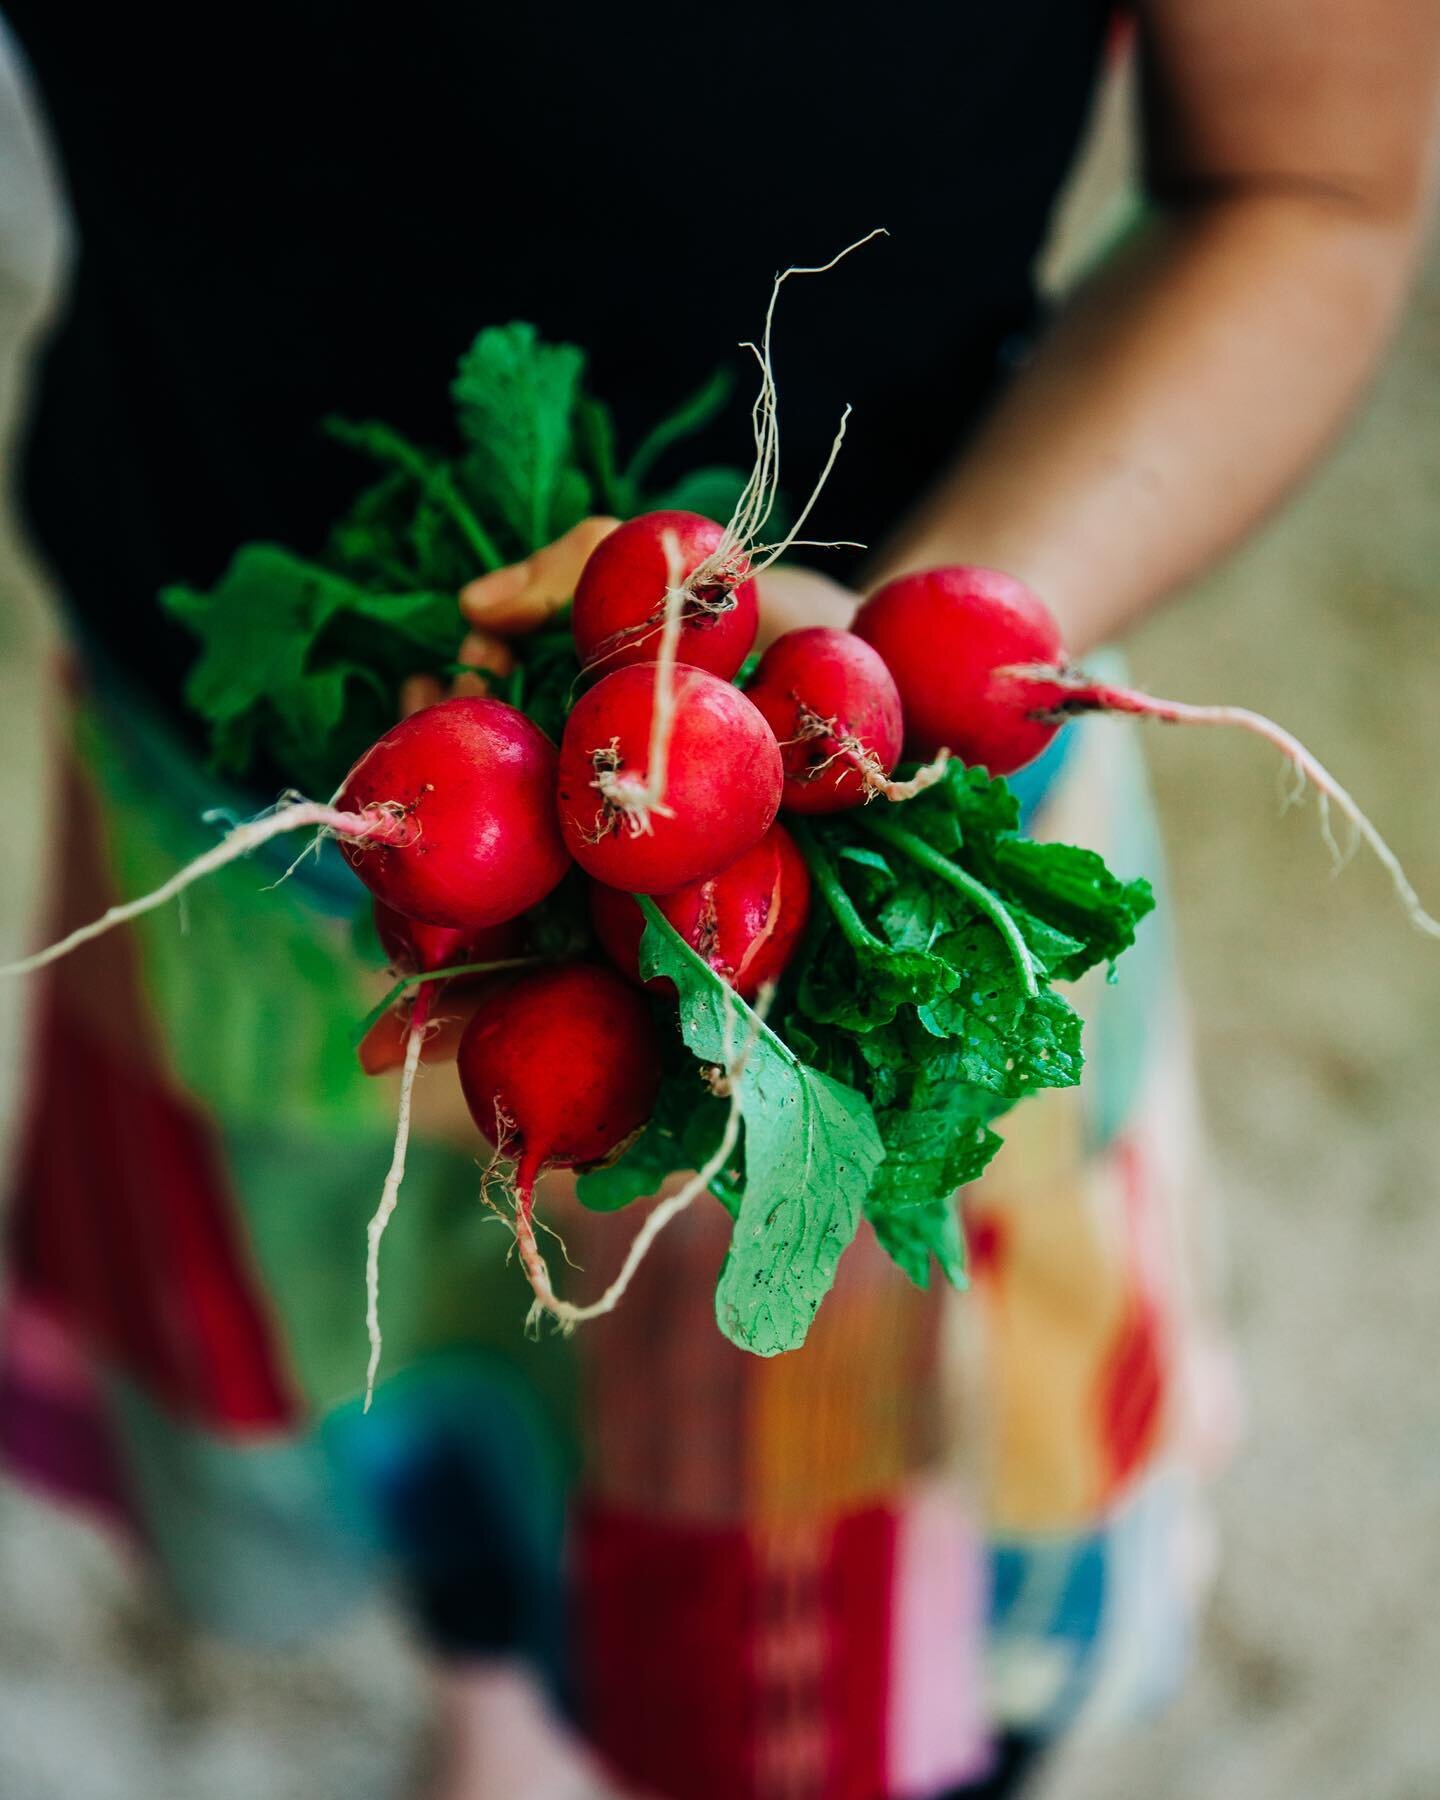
{"x":1318,"y":1016}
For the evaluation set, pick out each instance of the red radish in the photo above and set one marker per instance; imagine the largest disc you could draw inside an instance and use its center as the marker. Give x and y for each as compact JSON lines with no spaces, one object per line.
{"x":944,"y":635}
{"x":560,"y":1069}
{"x":654,"y":796}
{"x":835,"y":709}
{"x":746,"y":921}
{"x":474,"y":780}
{"x":982,"y":669}
{"x":619,"y":609}
{"x":414,"y":948}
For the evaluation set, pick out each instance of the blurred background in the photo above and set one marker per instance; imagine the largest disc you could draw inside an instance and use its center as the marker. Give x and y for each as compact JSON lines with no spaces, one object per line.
{"x":1318,"y":1017}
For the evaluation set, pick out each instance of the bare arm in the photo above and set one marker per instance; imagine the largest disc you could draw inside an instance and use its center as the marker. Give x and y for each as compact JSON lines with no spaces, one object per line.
{"x":1196,"y":378}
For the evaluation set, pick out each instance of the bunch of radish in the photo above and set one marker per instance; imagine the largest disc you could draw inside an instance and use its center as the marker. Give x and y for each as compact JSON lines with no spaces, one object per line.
{"x":667,"y":783}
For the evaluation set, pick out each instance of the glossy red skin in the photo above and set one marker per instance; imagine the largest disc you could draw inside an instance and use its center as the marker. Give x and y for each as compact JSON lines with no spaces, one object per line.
{"x":571,"y":1056}
{"x":620,"y":599}
{"x":943,"y":634}
{"x":415,"y":947}
{"x":722,"y":785}
{"x":746,"y":921}
{"x":834,"y":675}
{"x":477,"y":779}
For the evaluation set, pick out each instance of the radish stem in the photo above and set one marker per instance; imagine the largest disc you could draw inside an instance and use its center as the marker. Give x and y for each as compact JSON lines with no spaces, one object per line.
{"x":407,"y":982}
{"x":823,"y":872}
{"x":994,"y":909}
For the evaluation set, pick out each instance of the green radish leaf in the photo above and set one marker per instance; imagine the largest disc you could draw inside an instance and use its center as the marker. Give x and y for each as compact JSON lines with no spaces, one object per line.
{"x":1008,"y":1042}
{"x":979,"y":1028}
{"x":811,"y":1152}
{"x":688,"y":419}
{"x":515,"y":399}
{"x":1053,"y":950}
{"x":441,"y":520}
{"x":860,"y":987}
{"x":854,"y":978}
{"x":916,"y":1234}
{"x":303,"y":663}
{"x":683,"y":1133}
{"x":595,"y":432}
{"x":866,"y":858}
{"x":710,"y":492}
{"x":1071,"y":890}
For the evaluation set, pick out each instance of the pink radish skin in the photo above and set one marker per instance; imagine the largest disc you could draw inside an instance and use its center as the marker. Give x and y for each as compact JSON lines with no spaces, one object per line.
{"x":746,"y":921}
{"x":945,"y":635}
{"x":474,"y":779}
{"x":835,"y":710}
{"x":619,"y":606}
{"x":721,"y":786}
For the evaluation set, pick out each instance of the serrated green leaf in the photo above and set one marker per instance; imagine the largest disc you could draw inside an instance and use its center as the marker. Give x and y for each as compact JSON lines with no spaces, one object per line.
{"x":811,"y":1151}
{"x":861,"y":989}
{"x":303,"y":661}
{"x":440,"y":522}
{"x":851,"y":977}
{"x":1071,"y":889}
{"x":1008,"y":1042}
{"x":1053,"y":950}
{"x":916,"y":1234}
{"x":515,"y":398}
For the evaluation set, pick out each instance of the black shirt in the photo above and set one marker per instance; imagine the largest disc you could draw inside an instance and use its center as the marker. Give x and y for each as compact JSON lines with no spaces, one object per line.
{"x":295,"y":207}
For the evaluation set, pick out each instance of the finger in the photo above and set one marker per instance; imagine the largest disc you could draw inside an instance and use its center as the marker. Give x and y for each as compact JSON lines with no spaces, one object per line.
{"x":495,"y":595}
{"x":417,"y":692}
{"x":484,"y":655}
{"x":520,"y":599}
{"x":794,"y":597}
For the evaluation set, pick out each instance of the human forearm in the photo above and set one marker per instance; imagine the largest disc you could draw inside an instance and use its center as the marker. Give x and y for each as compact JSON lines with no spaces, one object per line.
{"x":1177,"y":398}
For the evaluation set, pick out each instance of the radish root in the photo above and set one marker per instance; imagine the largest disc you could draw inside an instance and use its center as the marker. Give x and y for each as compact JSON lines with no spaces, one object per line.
{"x":849,"y":749}
{"x":756,"y":505}
{"x":724,"y":1080}
{"x":625,"y":798}
{"x":739,"y":556}
{"x":1061,"y":692}
{"x":390,"y":1193}
{"x":387,"y":824}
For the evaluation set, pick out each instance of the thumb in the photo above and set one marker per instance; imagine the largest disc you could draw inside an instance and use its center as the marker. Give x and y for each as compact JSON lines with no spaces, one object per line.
{"x":521,"y":598}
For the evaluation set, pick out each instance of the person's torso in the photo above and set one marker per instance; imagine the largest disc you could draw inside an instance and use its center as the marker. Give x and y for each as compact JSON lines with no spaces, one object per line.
{"x":285,"y":211}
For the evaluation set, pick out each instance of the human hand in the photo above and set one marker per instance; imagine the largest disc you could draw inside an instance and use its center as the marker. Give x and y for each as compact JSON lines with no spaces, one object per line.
{"x":793,"y":597}
{"x":520,"y":599}
{"x":510,"y":602}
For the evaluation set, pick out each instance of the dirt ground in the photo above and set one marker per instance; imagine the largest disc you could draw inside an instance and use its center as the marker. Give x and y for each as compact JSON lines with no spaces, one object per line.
{"x":1318,"y":1016}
